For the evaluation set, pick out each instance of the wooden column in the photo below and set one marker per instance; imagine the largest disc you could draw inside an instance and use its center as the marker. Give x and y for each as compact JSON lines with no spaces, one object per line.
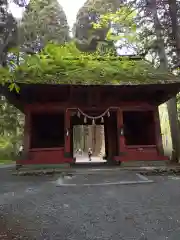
{"x":110,"y":140}
{"x":106,"y":138}
{"x":120,"y":132}
{"x":67,"y":135}
{"x":158,"y":135}
{"x":27,"y":131}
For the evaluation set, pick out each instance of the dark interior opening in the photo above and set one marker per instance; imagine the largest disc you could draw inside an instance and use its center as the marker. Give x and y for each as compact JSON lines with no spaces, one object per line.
{"x":139,"y":128}
{"x":47,"y":130}
{"x":111,"y":136}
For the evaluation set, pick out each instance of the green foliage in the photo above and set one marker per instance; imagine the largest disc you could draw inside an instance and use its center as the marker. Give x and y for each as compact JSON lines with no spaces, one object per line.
{"x":14,"y":86}
{"x":121,"y":25}
{"x":43,"y":21}
{"x":86,"y":36}
{"x":6,"y":149}
{"x":11,"y":121}
{"x":123,"y":16}
{"x":64,"y":64}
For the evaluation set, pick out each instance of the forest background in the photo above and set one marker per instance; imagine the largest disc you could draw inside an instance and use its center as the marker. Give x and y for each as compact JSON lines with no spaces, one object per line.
{"x":147,"y":28}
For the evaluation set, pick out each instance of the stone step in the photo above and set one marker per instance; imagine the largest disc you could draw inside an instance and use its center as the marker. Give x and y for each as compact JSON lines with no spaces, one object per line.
{"x":44,"y":166}
{"x":144,"y":163}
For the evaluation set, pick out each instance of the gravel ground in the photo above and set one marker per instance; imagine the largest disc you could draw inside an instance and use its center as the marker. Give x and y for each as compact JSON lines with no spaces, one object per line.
{"x":35,"y":208}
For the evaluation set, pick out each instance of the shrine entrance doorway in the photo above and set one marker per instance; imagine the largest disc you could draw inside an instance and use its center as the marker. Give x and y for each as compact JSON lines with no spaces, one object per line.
{"x":89,"y":136}
{"x":98,"y":133}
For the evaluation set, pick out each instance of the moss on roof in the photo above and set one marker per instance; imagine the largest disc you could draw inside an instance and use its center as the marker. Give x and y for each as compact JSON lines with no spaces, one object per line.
{"x":66,"y":65}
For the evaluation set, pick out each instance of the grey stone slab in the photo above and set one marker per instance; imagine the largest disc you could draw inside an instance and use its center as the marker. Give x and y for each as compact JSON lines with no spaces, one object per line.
{"x":115,"y":178}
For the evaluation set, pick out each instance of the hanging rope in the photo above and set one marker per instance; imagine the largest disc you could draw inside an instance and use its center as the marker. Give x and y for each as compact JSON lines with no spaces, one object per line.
{"x":92,"y":117}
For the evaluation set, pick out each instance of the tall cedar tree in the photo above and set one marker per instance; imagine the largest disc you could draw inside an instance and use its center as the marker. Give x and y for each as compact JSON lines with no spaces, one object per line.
{"x":43,"y":21}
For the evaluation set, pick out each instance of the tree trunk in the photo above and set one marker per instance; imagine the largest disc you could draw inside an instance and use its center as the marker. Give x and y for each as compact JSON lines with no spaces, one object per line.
{"x":102,"y":146}
{"x":99,"y":140}
{"x":174,"y":127}
{"x":175,"y":27}
{"x":171,"y":104}
{"x":89,"y":138}
{"x":176,"y":38}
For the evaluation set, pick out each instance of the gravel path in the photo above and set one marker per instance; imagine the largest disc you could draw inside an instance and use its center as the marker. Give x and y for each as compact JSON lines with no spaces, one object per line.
{"x":35,"y":208}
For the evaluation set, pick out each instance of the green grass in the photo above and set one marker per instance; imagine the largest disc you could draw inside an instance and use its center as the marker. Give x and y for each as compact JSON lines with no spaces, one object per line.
{"x":7,"y":161}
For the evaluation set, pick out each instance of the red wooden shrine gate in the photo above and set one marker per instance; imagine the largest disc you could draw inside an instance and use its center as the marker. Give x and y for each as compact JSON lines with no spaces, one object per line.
{"x":132,"y":131}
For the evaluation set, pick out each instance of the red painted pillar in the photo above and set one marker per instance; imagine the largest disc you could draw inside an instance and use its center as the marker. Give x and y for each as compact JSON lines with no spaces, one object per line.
{"x":27,"y":132}
{"x":67,"y":137}
{"x":120,"y":137}
{"x":110,"y":140}
{"x":158,"y":134}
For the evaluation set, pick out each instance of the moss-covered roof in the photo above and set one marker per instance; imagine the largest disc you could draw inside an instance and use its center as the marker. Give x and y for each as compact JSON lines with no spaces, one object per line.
{"x":66,"y":65}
